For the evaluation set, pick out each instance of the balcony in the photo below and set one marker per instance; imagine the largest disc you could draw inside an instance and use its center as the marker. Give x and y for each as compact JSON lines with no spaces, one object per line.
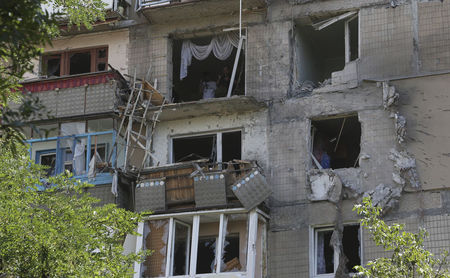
{"x":163,"y":11}
{"x":75,"y":153}
{"x":78,"y":95}
{"x":198,"y":185}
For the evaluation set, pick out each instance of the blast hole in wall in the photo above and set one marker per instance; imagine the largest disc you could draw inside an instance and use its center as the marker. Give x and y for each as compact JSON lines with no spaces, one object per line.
{"x":337,"y":140}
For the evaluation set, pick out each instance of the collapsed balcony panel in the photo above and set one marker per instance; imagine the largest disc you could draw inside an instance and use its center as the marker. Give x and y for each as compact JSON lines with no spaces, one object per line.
{"x":336,"y":142}
{"x":198,"y":184}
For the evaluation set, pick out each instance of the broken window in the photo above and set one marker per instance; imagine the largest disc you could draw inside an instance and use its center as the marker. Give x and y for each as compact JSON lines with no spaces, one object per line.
{"x":219,"y":147}
{"x":336,"y":142}
{"x":202,"y":67}
{"x":209,"y":243}
{"x":75,"y":62}
{"x":326,"y":258}
{"x":155,"y":236}
{"x":48,"y":159}
{"x":326,"y":46}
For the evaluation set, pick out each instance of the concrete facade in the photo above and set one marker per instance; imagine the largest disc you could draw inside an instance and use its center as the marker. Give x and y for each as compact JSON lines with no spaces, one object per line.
{"x":403,"y":56}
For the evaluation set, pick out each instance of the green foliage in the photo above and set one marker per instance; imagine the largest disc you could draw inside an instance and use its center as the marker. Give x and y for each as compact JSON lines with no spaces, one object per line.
{"x":409,"y":257}
{"x":24,"y":28}
{"x":58,"y":232}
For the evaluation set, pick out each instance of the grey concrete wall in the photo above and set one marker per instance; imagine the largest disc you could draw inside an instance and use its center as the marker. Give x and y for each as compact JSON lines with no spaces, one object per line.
{"x":407,"y":40}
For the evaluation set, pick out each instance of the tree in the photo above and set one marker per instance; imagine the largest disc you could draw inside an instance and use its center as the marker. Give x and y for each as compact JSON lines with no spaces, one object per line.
{"x":57,"y":231}
{"x":409,"y":257}
{"x":24,"y":28}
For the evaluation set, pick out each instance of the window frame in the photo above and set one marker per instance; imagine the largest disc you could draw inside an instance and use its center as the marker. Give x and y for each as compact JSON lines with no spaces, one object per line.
{"x":313,"y":231}
{"x":252,"y":234}
{"x":218,"y":135}
{"x":65,"y":60}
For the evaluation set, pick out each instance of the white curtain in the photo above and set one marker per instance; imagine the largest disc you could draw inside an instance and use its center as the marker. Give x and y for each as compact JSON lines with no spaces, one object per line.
{"x":79,"y":156}
{"x":221,"y":46}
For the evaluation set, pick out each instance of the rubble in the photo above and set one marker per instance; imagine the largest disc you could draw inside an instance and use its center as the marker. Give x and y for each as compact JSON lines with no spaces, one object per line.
{"x":405,"y":168}
{"x":384,"y":196}
{"x":400,"y":127}
{"x":325,"y":186}
{"x":390,"y":95}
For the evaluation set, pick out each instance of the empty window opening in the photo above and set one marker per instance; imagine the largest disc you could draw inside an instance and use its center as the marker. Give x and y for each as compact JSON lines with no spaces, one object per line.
{"x":336,"y":142}
{"x":205,"y":147}
{"x":326,"y":46}
{"x":208,"y":78}
{"x":351,"y":246}
{"x":327,"y":259}
{"x":80,"y":63}
{"x":353,"y":38}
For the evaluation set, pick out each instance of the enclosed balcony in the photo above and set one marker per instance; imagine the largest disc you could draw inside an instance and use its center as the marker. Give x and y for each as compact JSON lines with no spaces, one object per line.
{"x":90,"y":157}
{"x":198,"y":185}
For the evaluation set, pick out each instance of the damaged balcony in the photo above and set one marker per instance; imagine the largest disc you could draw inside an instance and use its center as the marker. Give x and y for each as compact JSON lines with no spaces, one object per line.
{"x":163,"y":11}
{"x":195,"y":185}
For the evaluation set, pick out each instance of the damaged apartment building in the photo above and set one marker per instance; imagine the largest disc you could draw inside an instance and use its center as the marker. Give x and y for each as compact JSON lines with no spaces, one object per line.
{"x":250,"y":128}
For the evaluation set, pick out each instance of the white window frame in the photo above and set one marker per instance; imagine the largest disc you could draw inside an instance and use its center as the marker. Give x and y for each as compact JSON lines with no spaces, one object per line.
{"x":218,"y":142}
{"x":252,"y":230}
{"x":313,"y":231}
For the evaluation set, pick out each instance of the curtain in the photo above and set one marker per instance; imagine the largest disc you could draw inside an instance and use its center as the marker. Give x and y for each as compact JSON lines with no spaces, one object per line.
{"x":79,"y":155}
{"x":221,"y":46}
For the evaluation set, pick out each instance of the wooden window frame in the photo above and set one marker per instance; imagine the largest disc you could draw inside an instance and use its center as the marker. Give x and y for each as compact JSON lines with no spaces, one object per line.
{"x":65,"y":59}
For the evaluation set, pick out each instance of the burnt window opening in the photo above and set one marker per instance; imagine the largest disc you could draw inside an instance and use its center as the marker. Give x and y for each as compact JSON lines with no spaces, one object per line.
{"x":327,"y":259}
{"x":80,"y":63}
{"x":75,"y":62}
{"x":336,"y":142}
{"x":208,"y":78}
{"x":205,"y":147}
{"x":326,"y":46}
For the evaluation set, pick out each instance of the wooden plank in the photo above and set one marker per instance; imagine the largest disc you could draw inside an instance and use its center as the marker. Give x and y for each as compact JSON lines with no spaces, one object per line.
{"x":151,"y":93}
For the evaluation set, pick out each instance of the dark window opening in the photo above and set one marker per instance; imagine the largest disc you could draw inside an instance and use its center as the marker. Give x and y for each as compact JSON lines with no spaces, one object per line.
{"x":336,"y":142}
{"x":205,"y":147}
{"x":324,"y":252}
{"x":320,"y":53}
{"x":80,"y":63}
{"x":354,"y":38}
{"x":351,"y":245}
{"x":52,"y":65}
{"x":231,"y":146}
{"x":48,"y":160}
{"x":208,"y":78}
{"x":231,"y":252}
{"x":193,"y":148}
{"x":325,"y":255}
{"x":181,"y":250}
{"x":206,"y":254}
{"x":321,"y":48}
